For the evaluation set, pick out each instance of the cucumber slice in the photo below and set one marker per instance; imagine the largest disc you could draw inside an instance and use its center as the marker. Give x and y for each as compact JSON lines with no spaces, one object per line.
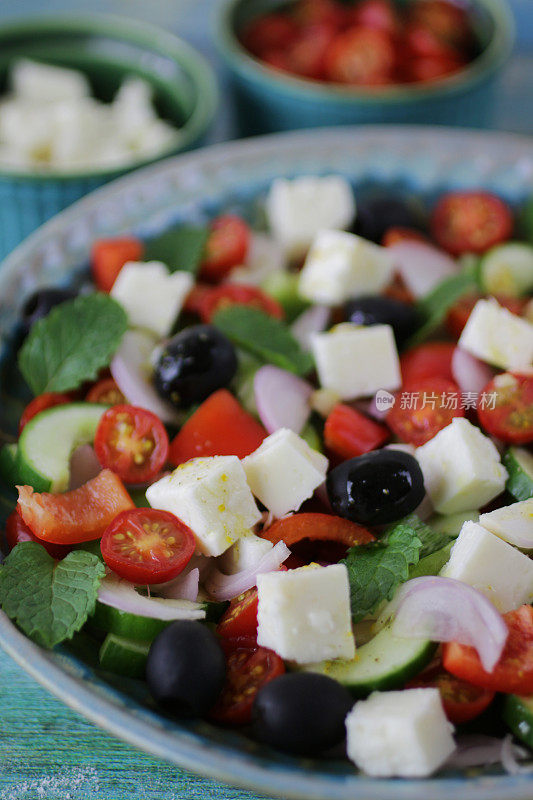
{"x":8,"y":464}
{"x":283,"y":287}
{"x":126,"y":625}
{"x":451,"y":524}
{"x":519,"y":464}
{"x":124,"y":656}
{"x":508,"y":269}
{"x":432,"y":564}
{"x":48,"y":440}
{"x":385,"y":662}
{"x":518,"y":714}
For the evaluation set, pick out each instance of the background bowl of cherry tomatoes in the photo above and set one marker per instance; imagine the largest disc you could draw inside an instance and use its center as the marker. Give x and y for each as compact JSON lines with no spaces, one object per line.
{"x":312,"y":63}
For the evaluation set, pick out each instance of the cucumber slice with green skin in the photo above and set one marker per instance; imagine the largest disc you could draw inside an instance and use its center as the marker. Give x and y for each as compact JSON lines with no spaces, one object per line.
{"x":48,"y":441}
{"x":126,"y":625}
{"x":519,"y":465}
{"x":385,"y":662}
{"x":451,"y":524}
{"x":283,"y":287}
{"x":8,"y":464}
{"x":124,"y":656}
{"x":518,"y":715}
{"x":508,"y":269}
{"x":432,"y":564}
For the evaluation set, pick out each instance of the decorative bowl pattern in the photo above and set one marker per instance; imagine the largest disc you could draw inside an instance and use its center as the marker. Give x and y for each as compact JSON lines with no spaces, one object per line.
{"x":190,"y":187}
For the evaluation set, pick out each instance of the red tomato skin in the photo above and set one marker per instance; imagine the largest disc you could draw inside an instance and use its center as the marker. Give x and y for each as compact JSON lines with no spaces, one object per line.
{"x":248,"y":669}
{"x":418,"y":424}
{"x":470,"y":222}
{"x":219,"y":427}
{"x":17,"y":532}
{"x":317,"y":526}
{"x":421,"y":41}
{"x":361,"y":56}
{"x":433,"y":68}
{"x":106,"y":392}
{"x":123,"y":435}
{"x":458,"y":315}
{"x":227,"y":247}
{"x":446,"y":20}
{"x":348,"y":433}
{"x":431,"y":360}
{"x":268,"y":32}
{"x":108,"y":256}
{"x":306,"y":56}
{"x":513,"y":674}
{"x":462,"y":701}
{"x":193,"y":301}
{"x":155,"y":565}
{"x":398,"y":234}
{"x":378,"y":14}
{"x":77,"y":516}
{"x":231,"y":294}
{"x":511,"y":420}
{"x":41,"y":403}
{"x":319,"y":12}
{"x":240,"y":619}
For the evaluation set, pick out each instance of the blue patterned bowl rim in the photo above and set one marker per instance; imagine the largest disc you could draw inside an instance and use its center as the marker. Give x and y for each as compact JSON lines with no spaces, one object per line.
{"x":428,"y":160}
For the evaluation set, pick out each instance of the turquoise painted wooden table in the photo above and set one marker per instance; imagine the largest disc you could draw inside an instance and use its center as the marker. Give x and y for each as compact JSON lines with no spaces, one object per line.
{"x":47,"y":752}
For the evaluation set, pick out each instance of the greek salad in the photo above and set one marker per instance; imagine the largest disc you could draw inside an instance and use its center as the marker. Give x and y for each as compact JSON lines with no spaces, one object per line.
{"x":285,"y":476}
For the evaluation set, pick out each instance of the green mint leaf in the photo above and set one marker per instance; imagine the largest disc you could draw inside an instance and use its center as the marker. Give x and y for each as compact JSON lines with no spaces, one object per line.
{"x":181,"y":248}
{"x":49,"y":600}
{"x":72,"y":343}
{"x":431,"y":539}
{"x":265,"y":337}
{"x":376,"y":570}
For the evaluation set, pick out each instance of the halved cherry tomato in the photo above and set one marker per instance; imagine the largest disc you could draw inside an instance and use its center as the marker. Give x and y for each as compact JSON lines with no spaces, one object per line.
{"x":423,"y":408}
{"x":471,"y":222}
{"x":513,"y":674}
{"x":268,"y":32}
{"x":398,"y":234}
{"x":458,"y":314}
{"x":379,"y":14}
{"x":446,"y":20}
{"x":277,"y":59}
{"x":361,"y":56}
{"x":195,"y":297}
{"x":77,"y":516}
{"x":306,"y":55}
{"x":233,"y":294}
{"x":397,"y":289}
{"x":17,"y":531}
{"x":226,"y":247}
{"x":106,"y":392}
{"x":422,"y":42}
{"x":146,"y":545}
{"x":132,"y":442}
{"x":506,"y":408}
{"x":41,"y":403}
{"x":431,"y":360}
{"x":319,"y":12}
{"x":240,"y":619}
{"x":320,"y":527}
{"x":219,"y":427}
{"x":348,"y":433}
{"x":432,"y":68}
{"x":108,"y":256}
{"x":462,"y":701}
{"x":247,"y":670}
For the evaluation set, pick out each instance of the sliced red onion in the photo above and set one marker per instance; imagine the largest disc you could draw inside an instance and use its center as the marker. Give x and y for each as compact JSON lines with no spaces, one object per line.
{"x":469,"y":373}
{"x":226,"y":587}
{"x":184,"y":587}
{"x":510,"y":753}
{"x":369,"y":407}
{"x":282,"y":399}
{"x":475,"y":751}
{"x":132,"y":372}
{"x":313,"y":320}
{"x":84,"y":466}
{"x":421,"y":266}
{"x":447,"y":610}
{"x":123,"y":596}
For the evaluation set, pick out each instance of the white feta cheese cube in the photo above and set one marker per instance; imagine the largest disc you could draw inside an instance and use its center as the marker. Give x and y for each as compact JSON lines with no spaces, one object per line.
{"x":357,"y":361}
{"x":244,"y":554}
{"x":461,"y":467}
{"x":304,"y":614}
{"x":341,"y":265}
{"x":513,"y":524}
{"x":399,"y":734}
{"x":264,"y":257}
{"x":151,"y":296}
{"x":44,"y":83}
{"x":212,"y":497}
{"x":493,"y":567}
{"x":498,"y":337}
{"x":284,"y":471}
{"x":297,"y":208}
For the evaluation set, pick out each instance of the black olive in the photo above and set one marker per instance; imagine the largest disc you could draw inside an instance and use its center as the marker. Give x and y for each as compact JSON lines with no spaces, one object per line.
{"x":186,"y":669}
{"x":376,"y":310}
{"x":377,"y":488}
{"x":301,"y":712}
{"x":377,"y":214}
{"x":194,"y":363}
{"x":39,"y":304}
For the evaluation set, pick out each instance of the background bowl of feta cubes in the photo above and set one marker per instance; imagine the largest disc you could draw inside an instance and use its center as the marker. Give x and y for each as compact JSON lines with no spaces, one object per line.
{"x":85,"y":99}
{"x":270,"y":99}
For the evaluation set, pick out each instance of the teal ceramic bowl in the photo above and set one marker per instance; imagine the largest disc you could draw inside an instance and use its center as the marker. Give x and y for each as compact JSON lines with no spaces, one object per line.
{"x":267,"y":100}
{"x":191,"y":187}
{"x":106,"y":49}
